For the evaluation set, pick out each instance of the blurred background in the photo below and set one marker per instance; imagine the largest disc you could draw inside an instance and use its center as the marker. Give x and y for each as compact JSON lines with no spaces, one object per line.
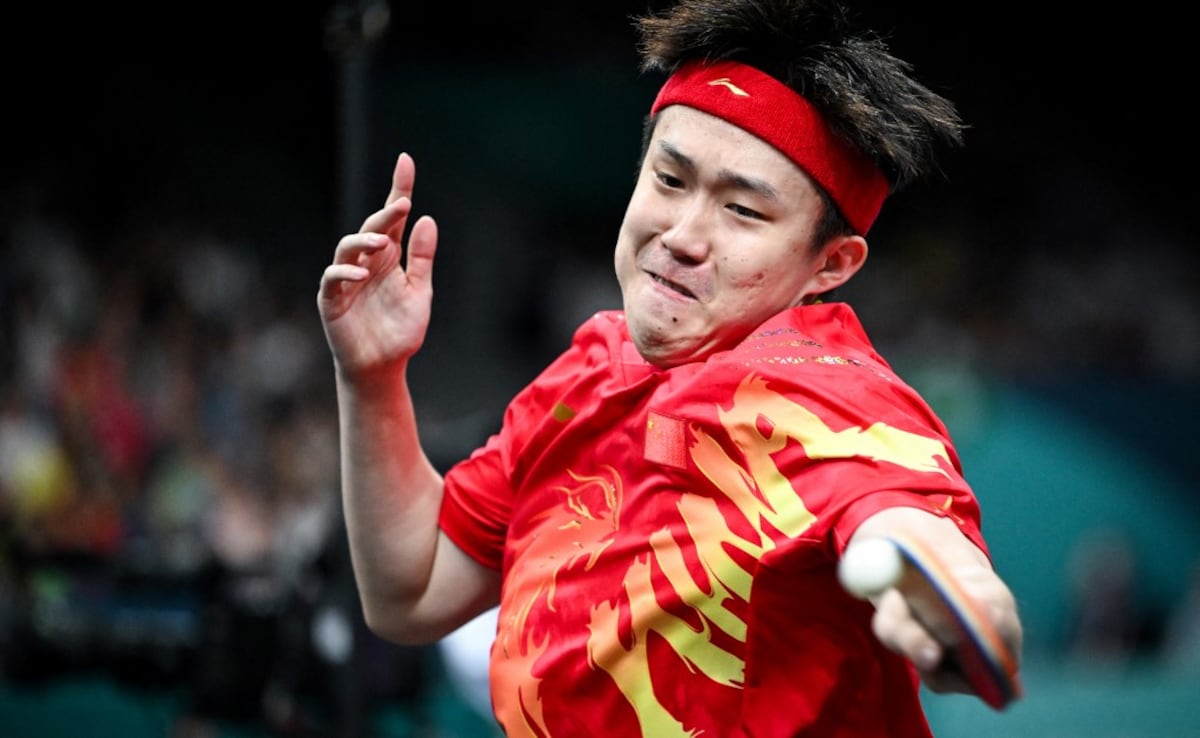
{"x":175,"y":179}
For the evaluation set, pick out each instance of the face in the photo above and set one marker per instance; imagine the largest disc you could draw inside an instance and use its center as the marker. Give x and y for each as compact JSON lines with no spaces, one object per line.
{"x":715,"y":240}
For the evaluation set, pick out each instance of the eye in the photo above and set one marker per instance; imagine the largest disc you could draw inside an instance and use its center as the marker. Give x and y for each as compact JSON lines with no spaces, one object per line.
{"x":668,"y":180}
{"x":745,"y":212}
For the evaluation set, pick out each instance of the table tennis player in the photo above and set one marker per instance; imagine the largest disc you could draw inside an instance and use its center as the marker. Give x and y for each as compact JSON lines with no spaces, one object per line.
{"x":660,"y":514}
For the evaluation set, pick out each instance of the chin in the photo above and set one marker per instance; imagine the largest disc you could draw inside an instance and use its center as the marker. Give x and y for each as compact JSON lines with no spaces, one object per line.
{"x":660,"y":351}
{"x":652,"y":345}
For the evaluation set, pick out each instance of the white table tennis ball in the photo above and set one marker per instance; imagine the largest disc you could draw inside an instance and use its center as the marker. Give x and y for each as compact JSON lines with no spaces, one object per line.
{"x":869,"y":567}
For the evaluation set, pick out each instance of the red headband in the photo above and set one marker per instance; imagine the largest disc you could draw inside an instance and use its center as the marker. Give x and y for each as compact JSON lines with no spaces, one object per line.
{"x":772,"y":111}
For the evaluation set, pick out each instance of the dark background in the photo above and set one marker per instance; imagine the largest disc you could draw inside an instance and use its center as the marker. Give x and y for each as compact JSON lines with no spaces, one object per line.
{"x":230,"y":110}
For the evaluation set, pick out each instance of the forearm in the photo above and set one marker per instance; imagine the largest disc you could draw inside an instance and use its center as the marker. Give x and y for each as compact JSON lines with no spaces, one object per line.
{"x":391,"y":495}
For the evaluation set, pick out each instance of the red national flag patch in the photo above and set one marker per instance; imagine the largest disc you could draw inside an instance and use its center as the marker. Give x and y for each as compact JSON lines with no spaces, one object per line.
{"x":666,"y":441}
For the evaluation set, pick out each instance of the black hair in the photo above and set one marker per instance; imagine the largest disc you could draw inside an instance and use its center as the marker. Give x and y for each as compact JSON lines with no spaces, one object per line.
{"x":865,"y":94}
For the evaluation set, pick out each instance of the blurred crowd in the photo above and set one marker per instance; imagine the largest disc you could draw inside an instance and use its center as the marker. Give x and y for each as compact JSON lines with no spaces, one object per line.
{"x":169,"y":508}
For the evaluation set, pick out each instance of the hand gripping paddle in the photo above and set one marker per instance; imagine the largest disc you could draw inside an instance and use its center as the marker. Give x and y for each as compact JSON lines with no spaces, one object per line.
{"x":869,"y":567}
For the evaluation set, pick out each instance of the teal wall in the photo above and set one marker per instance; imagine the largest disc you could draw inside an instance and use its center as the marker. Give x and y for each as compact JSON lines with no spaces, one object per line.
{"x":1050,"y":480}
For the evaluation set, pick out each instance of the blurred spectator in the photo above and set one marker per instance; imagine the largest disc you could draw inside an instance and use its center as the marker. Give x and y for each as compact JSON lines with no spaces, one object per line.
{"x":36,"y":476}
{"x":1181,"y":640}
{"x":1110,"y":624}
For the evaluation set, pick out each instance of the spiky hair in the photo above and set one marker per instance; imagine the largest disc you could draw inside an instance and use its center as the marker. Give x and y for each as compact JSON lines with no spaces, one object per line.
{"x":866,"y":95}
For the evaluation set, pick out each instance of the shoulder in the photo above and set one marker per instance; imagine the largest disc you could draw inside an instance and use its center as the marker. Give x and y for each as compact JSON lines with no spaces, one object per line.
{"x":602,"y":338}
{"x":597,"y":346}
{"x":819,"y":338}
{"x":602,"y":324}
{"x":820,"y":356}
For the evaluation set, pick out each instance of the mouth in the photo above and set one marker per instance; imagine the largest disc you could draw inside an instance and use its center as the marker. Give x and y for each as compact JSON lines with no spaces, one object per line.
{"x":672,"y":285}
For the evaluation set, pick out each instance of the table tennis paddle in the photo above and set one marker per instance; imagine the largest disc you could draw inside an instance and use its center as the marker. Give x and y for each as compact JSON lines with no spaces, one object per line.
{"x":976,"y":649}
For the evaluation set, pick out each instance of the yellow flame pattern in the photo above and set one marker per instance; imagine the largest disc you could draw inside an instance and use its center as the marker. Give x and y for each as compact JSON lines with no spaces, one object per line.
{"x":760,"y":422}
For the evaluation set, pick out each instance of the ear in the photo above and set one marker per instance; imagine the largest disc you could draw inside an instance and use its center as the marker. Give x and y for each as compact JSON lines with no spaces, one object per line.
{"x":841,"y":258}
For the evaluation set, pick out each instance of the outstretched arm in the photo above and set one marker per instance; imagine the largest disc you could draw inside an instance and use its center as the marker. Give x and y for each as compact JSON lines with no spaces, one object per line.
{"x":374,"y":301}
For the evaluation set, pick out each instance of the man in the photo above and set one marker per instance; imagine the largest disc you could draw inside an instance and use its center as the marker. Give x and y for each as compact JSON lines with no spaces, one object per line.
{"x":661,"y":514}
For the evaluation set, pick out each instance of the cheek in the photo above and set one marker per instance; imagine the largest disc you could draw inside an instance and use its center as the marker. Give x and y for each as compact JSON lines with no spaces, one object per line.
{"x":754,"y":286}
{"x":639,"y":225}
{"x":744,"y":273}
{"x":625,"y":254}
{"x":641,"y":211}
{"x":754,"y":280}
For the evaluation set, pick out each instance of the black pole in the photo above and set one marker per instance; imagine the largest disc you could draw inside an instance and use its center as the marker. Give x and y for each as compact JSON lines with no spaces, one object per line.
{"x":353,"y":29}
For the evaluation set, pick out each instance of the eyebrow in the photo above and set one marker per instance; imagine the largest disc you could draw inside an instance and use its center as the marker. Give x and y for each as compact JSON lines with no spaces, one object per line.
{"x":725,"y":176}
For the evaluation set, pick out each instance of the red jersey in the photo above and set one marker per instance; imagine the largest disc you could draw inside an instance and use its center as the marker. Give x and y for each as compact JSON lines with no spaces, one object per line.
{"x":668,"y":538}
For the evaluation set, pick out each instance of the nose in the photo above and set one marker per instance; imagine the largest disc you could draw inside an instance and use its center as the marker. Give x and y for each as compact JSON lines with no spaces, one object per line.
{"x":689,"y":237}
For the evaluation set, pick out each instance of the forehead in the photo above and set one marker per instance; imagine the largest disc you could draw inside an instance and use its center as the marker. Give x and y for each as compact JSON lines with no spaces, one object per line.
{"x":712,"y":143}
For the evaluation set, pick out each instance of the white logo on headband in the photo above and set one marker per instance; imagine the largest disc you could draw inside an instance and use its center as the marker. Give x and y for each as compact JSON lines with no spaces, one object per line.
{"x":725,"y":82}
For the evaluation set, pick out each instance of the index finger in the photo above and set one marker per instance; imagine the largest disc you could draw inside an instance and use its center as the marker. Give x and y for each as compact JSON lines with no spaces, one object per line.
{"x":403,"y":176}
